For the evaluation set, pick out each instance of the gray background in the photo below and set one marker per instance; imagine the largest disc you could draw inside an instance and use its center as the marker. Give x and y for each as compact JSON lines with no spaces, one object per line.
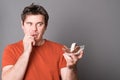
{"x":95,"y":23}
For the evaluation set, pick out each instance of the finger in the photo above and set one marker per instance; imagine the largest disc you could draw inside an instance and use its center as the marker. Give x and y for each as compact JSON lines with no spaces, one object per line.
{"x":67,"y":57}
{"x":33,"y":42}
{"x":81,"y":55}
{"x":28,"y":36}
{"x":30,"y":39}
{"x":66,"y":49}
{"x":74,"y":58}
{"x":78,"y":53}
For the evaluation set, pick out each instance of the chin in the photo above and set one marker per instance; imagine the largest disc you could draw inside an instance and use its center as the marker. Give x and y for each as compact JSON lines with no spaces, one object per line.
{"x":37,"y":39}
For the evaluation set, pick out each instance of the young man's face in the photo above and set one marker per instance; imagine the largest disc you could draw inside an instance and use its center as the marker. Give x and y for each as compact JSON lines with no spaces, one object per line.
{"x":34,"y":25}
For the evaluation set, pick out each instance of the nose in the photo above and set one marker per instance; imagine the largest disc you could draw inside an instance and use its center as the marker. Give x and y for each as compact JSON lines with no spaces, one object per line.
{"x":34,"y":28}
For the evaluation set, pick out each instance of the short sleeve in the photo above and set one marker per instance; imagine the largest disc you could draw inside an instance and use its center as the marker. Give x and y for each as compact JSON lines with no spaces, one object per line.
{"x":8,"y":57}
{"x":62,"y":61}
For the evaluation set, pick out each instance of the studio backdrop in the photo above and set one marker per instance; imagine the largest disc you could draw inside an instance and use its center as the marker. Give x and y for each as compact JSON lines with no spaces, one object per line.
{"x":94,"y":23}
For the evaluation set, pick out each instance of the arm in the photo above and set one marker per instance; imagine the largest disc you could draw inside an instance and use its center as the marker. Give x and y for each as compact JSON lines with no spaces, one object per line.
{"x":70,"y":71}
{"x":17,"y":71}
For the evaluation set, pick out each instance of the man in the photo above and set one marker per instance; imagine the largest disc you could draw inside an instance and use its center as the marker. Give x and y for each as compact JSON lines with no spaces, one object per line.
{"x":35,"y":58}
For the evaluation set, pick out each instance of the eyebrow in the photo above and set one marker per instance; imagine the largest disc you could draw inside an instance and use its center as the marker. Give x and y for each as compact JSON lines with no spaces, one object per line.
{"x":40,"y":22}
{"x":28,"y":22}
{"x":36,"y":23}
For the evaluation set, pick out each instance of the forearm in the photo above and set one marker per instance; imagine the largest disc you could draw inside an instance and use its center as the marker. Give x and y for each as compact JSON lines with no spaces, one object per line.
{"x":71,"y":74}
{"x":18,"y":70}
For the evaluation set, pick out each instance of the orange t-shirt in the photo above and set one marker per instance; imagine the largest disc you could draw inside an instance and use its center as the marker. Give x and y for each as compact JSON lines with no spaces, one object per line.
{"x":45,"y":61}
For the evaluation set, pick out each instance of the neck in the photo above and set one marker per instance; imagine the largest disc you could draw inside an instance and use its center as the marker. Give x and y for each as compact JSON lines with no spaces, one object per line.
{"x":40,"y":42}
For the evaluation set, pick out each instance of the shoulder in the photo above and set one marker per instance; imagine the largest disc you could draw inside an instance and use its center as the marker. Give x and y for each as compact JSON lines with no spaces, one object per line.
{"x":14,"y":45}
{"x":13,"y":49}
{"x":18,"y":43}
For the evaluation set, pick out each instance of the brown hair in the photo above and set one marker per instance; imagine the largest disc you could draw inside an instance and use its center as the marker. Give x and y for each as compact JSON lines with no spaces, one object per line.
{"x":34,"y":10}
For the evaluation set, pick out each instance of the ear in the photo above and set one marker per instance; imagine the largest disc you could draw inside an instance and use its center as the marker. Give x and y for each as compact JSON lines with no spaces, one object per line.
{"x":22,"y":24}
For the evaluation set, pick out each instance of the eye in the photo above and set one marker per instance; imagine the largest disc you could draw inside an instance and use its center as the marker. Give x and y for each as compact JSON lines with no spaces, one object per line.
{"x":39,"y":24}
{"x":29,"y":23}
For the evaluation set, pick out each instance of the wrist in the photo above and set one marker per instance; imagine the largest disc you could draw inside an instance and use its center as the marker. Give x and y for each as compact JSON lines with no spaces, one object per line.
{"x":27,"y":53}
{"x":74,"y":67}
